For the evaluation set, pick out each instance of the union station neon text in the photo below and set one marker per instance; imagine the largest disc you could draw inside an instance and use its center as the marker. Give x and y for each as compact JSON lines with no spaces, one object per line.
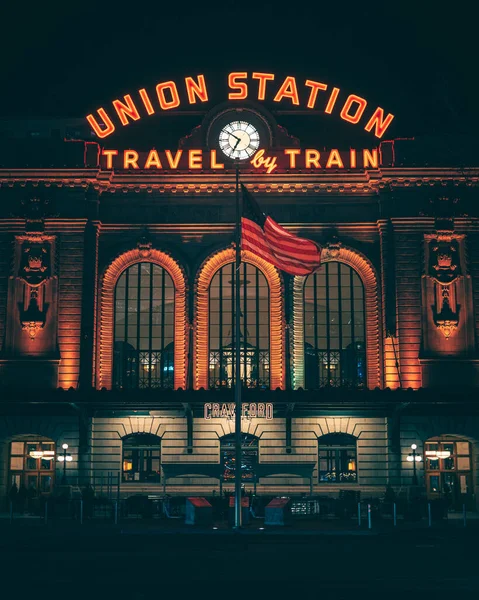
{"x":243,"y":86}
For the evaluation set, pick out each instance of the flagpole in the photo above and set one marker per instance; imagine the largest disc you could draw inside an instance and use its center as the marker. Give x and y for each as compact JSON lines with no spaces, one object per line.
{"x":237,"y":378}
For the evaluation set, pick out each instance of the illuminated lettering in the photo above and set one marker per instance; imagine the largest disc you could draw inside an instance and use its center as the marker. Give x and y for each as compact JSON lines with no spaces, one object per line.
{"x":334,"y":160}
{"x":352,"y":158}
{"x":252,"y":411}
{"x":315,"y":87}
{"x":109,"y":157}
{"x":371,"y":159}
{"x":130,"y":159}
{"x":127,"y":109}
{"x":146,"y":101}
{"x":109,"y":127}
{"x":242,"y":94}
{"x":269,"y":163}
{"x":269,"y":411}
{"x":292,"y":157}
{"x":311,"y":159}
{"x":173,"y":162}
{"x":288,"y":89}
{"x":215,"y":410}
{"x":213,"y":163}
{"x":207,"y":411}
{"x":195,"y":159}
{"x":194,"y":89}
{"x":175,"y":99}
{"x":153,"y":160}
{"x":332,"y":101}
{"x":244,"y":410}
{"x":224,"y":411}
{"x":361,"y":105}
{"x":377,"y":121}
{"x":261,"y":410}
{"x":263,"y":78}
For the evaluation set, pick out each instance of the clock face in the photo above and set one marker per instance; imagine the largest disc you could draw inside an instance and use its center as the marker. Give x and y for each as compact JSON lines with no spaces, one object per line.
{"x":239,"y":140}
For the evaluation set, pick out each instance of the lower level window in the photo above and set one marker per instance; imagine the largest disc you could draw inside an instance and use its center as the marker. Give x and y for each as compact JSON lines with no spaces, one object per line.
{"x":337,"y":458}
{"x":141,"y":458}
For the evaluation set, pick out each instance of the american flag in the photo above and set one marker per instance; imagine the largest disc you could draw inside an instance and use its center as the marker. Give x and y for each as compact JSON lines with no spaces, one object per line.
{"x":267,"y":239}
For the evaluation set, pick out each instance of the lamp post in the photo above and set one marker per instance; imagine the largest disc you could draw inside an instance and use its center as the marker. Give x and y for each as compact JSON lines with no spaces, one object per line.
{"x":64,"y":458}
{"x":414,"y":457}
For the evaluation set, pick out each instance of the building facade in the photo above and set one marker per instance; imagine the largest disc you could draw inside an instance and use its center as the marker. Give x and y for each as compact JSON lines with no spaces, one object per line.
{"x":117,"y":316}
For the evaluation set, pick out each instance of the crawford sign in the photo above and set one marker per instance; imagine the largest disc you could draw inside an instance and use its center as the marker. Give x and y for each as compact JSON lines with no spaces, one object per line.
{"x":289,"y":91}
{"x":253,"y":410}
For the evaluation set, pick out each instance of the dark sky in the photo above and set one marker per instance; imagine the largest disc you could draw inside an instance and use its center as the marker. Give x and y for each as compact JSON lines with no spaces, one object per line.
{"x":68,"y":59}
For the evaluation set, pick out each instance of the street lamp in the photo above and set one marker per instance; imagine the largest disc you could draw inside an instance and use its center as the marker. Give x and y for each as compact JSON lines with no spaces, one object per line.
{"x":64,"y":458}
{"x":414,"y":458}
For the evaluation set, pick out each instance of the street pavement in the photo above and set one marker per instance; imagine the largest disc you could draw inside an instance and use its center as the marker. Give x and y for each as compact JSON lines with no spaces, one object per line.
{"x":141,"y":559}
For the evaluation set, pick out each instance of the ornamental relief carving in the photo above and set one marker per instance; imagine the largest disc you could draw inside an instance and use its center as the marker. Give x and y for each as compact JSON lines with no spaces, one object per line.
{"x":444,"y":269}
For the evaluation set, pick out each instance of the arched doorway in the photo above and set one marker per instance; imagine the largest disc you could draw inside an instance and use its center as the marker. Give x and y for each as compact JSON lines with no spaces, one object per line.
{"x":141,"y":460}
{"x":448,"y":470}
{"x":31,"y":464}
{"x":249,"y":454}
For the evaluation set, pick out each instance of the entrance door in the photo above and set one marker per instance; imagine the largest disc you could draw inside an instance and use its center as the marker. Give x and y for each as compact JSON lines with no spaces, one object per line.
{"x":448,"y":472}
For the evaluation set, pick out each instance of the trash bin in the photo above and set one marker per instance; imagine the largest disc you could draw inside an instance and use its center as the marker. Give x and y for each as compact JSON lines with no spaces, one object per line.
{"x":278,"y":511}
{"x":245,"y":514}
{"x":198,"y":511}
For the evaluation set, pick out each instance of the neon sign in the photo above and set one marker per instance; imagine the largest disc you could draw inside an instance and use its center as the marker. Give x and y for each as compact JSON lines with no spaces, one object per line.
{"x":287,"y":159}
{"x":253,"y":410}
{"x":309,"y":94}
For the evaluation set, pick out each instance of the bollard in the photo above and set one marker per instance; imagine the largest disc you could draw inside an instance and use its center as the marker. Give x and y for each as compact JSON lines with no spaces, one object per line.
{"x":369,"y":517}
{"x":464,"y":514}
{"x":46,"y":512}
{"x":81,"y":512}
{"x":395,"y":515}
{"x":359,"y":514}
{"x":429,"y":515}
{"x":116,"y":513}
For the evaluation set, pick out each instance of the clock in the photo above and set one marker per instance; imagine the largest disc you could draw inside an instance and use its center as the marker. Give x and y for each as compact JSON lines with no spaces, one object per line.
{"x":239,"y":140}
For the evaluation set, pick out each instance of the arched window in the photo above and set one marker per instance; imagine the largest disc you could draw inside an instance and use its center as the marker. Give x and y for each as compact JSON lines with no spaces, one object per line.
{"x":337,"y":458}
{"x":334,"y":326}
{"x":255,"y":334}
{"x":141,"y":458}
{"x":144,"y":328}
{"x":249,"y":453}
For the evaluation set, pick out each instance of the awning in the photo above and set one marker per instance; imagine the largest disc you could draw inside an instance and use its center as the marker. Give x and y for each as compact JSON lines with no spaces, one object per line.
{"x":215,"y":470}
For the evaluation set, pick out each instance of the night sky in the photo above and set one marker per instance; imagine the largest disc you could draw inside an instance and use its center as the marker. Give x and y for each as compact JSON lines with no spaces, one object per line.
{"x":418,"y":63}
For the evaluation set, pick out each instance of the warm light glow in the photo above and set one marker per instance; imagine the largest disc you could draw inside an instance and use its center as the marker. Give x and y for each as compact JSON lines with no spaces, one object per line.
{"x":371,"y":159}
{"x":36,"y":454}
{"x":174,"y":100}
{"x":311,"y":159}
{"x":315,"y":87}
{"x":109,"y":157}
{"x":126,"y":109}
{"x":379,"y":123}
{"x":153,"y":160}
{"x":332,"y":101}
{"x":263,"y":78}
{"x":195,"y":159}
{"x":213,"y":162}
{"x":196,"y":89}
{"x":173,"y":162}
{"x":146,"y":101}
{"x":350,"y":101}
{"x":293,"y":153}
{"x":334,"y":160}
{"x":443,"y":454}
{"x":241,"y":86}
{"x":101,"y":132}
{"x":130,"y":159}
{"x":289,"y":90}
